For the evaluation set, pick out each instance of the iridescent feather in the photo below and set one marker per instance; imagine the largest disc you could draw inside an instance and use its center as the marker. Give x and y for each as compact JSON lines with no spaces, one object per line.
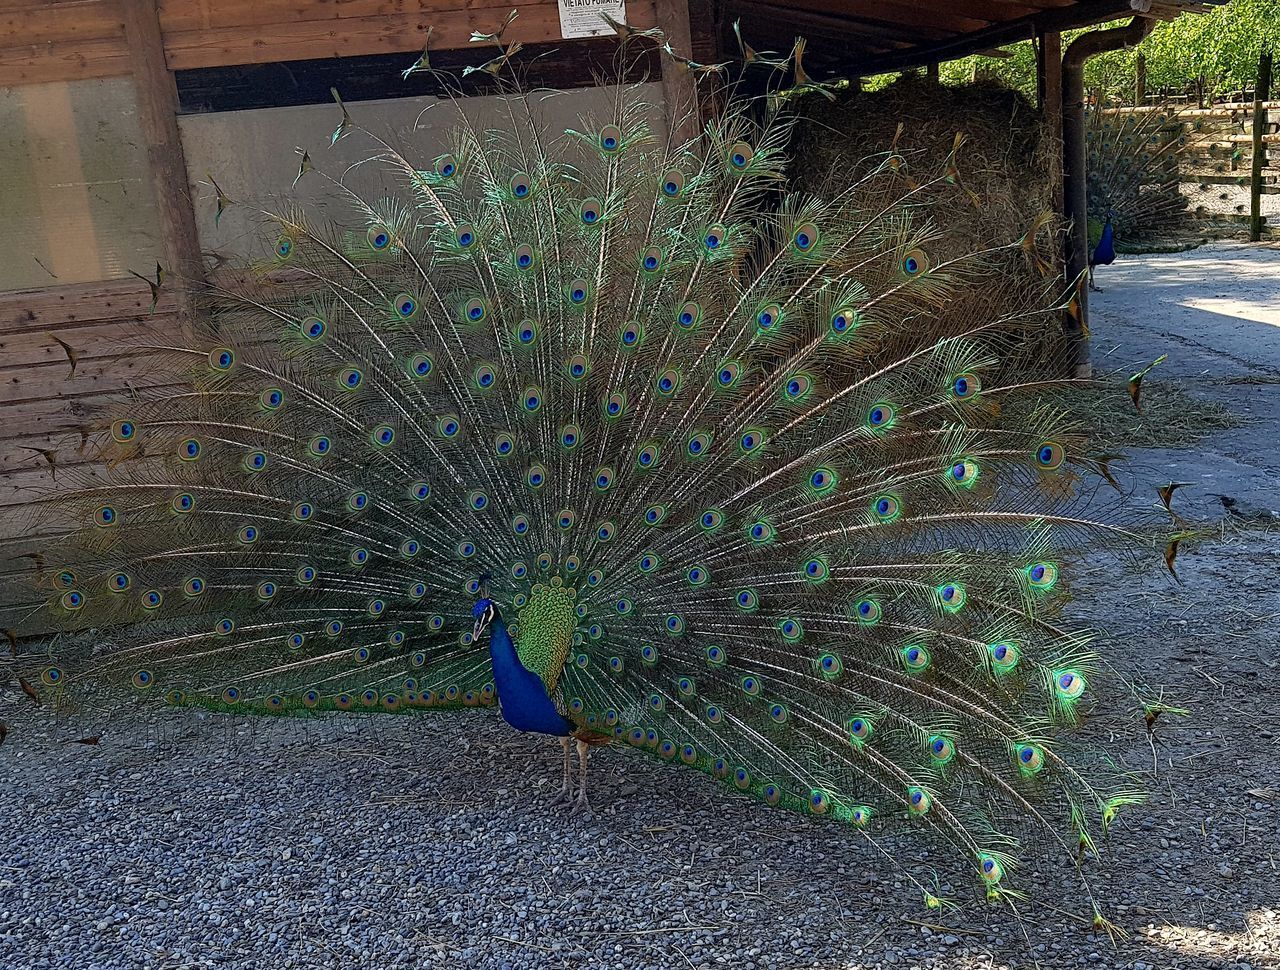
{"x":805,"y":516}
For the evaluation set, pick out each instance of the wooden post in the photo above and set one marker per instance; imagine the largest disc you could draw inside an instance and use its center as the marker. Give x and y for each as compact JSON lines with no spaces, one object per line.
{"x":1139,"y":80}
{"x":1049,"y":78}
{"x":679,"y":89}
{"x":931,"y":71}
{"x":1261,"y":92}
{"x":158,"y":120}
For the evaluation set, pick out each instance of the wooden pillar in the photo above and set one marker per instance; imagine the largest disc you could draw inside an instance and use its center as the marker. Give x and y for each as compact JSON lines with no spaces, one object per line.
{"x":158,"y":120}
{"x":1261,"y":92}
{"x":1139,"y":80}
{"x":1049,"y":82}
{"x":931,"y":72}
{"x":679,"y":89}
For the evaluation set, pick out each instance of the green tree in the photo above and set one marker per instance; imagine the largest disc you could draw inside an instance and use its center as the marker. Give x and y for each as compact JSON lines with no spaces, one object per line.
{"x":1222,"y":46}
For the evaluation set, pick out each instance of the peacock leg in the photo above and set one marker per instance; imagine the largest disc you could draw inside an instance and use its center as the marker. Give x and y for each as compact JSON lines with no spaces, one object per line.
{"x":581,"y":804}
{"x":566,"y":785}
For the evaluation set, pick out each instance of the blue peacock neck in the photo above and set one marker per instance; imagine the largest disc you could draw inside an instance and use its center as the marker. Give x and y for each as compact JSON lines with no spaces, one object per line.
{"x":522,"y":694}
{"x":502,"y":652}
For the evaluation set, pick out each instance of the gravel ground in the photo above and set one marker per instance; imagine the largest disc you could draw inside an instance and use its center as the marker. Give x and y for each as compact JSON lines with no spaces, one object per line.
{"x":189,"y":840}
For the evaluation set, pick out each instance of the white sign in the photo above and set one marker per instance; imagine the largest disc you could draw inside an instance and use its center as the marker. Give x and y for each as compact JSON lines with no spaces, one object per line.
{"x":581,"y":18}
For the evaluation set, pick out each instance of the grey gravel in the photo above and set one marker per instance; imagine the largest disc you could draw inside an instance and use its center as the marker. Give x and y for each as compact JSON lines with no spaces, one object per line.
{"x":197,"y":840}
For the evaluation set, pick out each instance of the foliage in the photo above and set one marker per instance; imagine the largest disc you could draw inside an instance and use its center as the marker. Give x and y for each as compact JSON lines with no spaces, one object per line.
{"x":1222,"y":46}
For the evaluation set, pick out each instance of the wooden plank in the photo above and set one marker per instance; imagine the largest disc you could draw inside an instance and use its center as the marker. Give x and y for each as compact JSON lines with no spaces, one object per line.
{"x":1189,"y":178}
{"x":63,"y":60}
{"x":19,"y":489}
{"x":257,"y":44}
{"x":158,"y":119}
{"x":835,"y":23}
{"x":6,"y":5}
{"x":64,"y":412}
{"x":1049,"y":74}
{"x":36,"y":347}
{"x":22,"y":385}
{"x":45,"y":23}
{"x":177,"y":16}
{"x":58,"y":306}
{"x":199,"y":33}
{"x":1226,"y":110}
{"x":69,"y":449}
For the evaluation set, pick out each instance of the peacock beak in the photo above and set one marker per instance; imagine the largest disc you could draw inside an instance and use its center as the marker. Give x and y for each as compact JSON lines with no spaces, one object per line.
{"x":482,"y":622}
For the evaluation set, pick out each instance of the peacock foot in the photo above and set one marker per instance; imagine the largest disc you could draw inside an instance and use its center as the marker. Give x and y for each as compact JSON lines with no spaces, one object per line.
{"x":581,"y":806}
{"x":563,"y":797}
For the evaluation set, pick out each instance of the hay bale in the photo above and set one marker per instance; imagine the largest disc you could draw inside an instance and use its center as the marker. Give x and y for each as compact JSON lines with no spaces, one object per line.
{"x":1005,"y":158}
{"x":1004,"y":183}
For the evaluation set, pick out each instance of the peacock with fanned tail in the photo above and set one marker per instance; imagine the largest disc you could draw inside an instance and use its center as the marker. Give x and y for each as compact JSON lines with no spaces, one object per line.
{"x":1136,"y":160}
{"x":727,"y":475}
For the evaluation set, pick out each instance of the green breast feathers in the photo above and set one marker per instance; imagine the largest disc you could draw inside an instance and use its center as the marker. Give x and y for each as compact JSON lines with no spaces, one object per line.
{"x":545,"y":631}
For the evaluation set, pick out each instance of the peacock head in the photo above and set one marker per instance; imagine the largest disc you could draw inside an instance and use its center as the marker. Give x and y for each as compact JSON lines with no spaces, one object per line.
{"x":485,"y":612}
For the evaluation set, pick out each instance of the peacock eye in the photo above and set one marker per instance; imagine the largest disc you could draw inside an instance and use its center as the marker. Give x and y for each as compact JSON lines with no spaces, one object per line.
{"x":805,"y":237}
{"x":914,"y":263}
{"x":610,"y":138}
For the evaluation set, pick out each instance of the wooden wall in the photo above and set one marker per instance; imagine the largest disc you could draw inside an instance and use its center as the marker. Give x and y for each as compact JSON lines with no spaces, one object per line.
{"x":58,"y":40}
{"x":45,"y":405}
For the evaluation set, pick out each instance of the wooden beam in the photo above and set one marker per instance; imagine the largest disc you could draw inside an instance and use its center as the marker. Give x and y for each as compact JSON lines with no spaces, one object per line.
{"x":837,"y":23}
{"x":679,"y":88}
{"x":997,"y":35}
{"x":887,"y":13}
{"x":563,"y":65}
{"x":1261,"y":91}
{"x":63,"y":60}
{"x":309,"y":39}
{"x":158,"y":120}
{"x":1049,"y":78}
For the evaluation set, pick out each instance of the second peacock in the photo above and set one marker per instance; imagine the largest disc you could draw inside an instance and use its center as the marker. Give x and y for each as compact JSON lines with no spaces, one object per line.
{"x":728,"y":475}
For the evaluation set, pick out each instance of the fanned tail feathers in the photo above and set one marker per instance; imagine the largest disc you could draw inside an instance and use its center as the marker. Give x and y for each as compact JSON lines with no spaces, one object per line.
{"x":808,"y":517}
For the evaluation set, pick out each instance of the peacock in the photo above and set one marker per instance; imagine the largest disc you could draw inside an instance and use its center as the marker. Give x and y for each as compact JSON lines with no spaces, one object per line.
{"x":1136,"y":159}
{"x":1102,"y":251}
{"x":604,"y":426}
